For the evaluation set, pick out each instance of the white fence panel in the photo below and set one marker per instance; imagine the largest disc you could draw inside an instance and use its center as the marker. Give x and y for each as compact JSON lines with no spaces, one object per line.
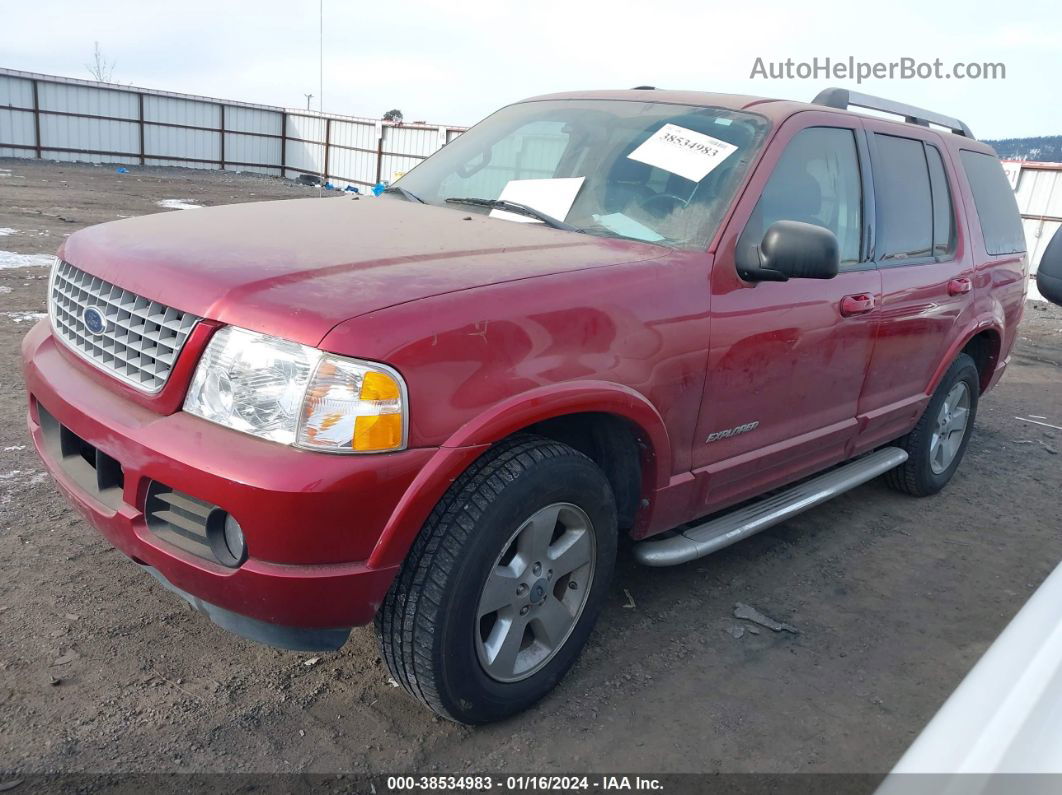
{"x":16,"y":127}
{"x":171,"y":110}
{"x":244,"y":151}
{"x":16,"y":92}
{"x":178,"y":142}
{"x":306,"y":128}
{"x":411,"y":141}
{"x":1040,"y":191}
{"x":238,"y":119}
{"x":357,"y":134}
{"x":89,"y":100}
{"x":351,"y":166}
{"x":305,"y":157}
{"x":95,"y":135}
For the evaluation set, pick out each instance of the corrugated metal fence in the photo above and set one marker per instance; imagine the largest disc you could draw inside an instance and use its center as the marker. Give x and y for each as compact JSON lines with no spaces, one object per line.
{"x":59,"y":118}
{"x":1038,"y":189}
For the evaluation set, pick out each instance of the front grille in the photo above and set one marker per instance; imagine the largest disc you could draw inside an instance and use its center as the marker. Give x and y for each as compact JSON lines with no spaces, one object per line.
{"x":95,"y":472}
{"x":140,"y":339}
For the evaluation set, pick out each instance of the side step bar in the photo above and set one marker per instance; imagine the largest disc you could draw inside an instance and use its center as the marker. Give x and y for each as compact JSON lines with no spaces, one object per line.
{"x":713,"y":535}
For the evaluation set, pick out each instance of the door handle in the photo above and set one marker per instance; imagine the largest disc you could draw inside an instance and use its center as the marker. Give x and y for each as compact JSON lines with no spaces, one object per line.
{"x":959,"y":286}
{"x":858,"y":304}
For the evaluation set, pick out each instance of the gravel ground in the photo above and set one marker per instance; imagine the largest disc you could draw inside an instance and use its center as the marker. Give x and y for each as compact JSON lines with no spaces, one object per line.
{"x":894,"y":599}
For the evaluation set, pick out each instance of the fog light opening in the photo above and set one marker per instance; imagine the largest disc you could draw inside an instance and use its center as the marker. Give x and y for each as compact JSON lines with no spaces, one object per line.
{"x":226,"y":539}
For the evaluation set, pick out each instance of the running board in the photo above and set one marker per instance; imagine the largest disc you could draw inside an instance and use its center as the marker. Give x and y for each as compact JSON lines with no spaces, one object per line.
{"x":713,"y":535}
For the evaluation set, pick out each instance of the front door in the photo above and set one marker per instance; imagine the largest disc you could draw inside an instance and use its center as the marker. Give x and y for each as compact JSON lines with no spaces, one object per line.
{"x":787,"y":360}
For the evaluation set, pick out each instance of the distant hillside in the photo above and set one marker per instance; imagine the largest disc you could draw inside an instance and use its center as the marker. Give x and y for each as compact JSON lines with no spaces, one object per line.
{"x":1046,"y":148}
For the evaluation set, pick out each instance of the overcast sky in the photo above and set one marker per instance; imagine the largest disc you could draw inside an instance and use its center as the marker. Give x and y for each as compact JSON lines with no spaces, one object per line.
{"x":454,"y":61}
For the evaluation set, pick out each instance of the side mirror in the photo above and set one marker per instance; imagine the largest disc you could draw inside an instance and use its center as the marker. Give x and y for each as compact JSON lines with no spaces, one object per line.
{"x":1049,"y":274}
{"x":795,"y":250}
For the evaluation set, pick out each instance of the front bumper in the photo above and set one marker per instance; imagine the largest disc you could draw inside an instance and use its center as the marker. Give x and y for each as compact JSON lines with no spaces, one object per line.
{"x":311,"y":520}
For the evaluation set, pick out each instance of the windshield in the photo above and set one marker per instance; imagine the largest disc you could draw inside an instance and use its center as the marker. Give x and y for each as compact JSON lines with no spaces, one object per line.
{"x":648,"y":171}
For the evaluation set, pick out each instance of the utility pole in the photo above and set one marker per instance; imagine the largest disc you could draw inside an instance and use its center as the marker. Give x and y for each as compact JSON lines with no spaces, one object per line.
{"x":308,"y":98}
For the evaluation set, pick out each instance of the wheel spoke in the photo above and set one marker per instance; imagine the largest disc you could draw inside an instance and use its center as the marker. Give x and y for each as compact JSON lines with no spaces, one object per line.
{"x":951,"y":447}
{"x":503,"y":645}
{"x":958,"y":420}
{"x":499,"y":591}
{"x":533,"y":543}
{"x":570,"y":552}
{"x":958,"y":392}
{"x":551,"y":622}
{"x":938,"y":452}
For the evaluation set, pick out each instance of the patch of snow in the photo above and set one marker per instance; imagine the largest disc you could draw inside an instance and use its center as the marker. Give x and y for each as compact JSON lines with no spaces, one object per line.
{"x":177,"y":204}
{"x":9,"y":259}
{"x":24,"y":317}
{"x":17,"y":480}
{"x":7,"y":230}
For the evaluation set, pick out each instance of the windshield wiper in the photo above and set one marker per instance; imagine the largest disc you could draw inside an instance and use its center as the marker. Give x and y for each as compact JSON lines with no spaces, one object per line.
{"x":516,"y":208}
{"x":405,"y":194}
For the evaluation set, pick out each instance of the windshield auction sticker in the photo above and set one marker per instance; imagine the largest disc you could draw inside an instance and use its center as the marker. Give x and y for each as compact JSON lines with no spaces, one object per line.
{"x":689,"y":154}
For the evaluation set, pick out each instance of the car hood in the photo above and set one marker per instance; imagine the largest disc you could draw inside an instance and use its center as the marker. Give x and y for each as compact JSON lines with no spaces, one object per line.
{"x":297,"y":268}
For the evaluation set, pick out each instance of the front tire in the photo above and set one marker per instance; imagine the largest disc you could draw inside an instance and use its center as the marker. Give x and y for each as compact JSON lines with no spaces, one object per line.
{"x":936,"y":445}
{"x":504,"y":583}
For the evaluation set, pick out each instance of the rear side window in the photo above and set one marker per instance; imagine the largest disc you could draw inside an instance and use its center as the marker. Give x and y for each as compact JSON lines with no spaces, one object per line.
{"x":996,"y":208}
{"x":905,"y":199}
{"x":943,"y":213}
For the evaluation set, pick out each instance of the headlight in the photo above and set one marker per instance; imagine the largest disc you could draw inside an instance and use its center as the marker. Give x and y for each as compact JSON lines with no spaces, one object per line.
{"x":290,"y":393}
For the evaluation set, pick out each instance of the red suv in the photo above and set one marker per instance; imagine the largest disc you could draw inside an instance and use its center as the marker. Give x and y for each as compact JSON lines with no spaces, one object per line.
{"x":593,"y":313}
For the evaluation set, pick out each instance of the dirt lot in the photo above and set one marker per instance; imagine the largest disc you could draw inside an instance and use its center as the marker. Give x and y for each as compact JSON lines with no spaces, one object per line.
{"x":895,"y":599}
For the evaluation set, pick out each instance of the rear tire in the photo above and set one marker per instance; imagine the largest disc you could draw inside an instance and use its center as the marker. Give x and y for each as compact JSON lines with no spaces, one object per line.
{"x":936,"y":445}
{"x":484,"y":618}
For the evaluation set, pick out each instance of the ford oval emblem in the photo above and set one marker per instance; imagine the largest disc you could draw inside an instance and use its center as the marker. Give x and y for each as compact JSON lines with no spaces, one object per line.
{"x":93,"y":320}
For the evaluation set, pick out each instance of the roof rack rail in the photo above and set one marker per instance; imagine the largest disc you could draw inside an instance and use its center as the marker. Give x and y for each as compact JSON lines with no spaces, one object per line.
{"x":644,"y":88}
{"x":843,"y":98}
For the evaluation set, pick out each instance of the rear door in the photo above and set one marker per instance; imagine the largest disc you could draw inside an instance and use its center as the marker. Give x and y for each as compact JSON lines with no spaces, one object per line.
{"x":787,"y":360}
{"x":927,"y":276}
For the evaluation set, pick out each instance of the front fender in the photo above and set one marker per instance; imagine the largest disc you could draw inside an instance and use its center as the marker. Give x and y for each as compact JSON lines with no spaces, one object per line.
{"x":504,"y":419}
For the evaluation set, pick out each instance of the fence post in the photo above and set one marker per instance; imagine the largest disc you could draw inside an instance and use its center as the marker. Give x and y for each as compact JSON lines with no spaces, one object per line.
{"x":283,"y":144}
{"x":379,"y":152}
{"x":222,"y":134}
{"x":37,"y":119}
{"x":143,"y":152}
{"x":327,"y":147}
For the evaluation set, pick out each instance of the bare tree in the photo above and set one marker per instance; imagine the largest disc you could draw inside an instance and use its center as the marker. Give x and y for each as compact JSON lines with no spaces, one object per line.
{"x":100,"y":68}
